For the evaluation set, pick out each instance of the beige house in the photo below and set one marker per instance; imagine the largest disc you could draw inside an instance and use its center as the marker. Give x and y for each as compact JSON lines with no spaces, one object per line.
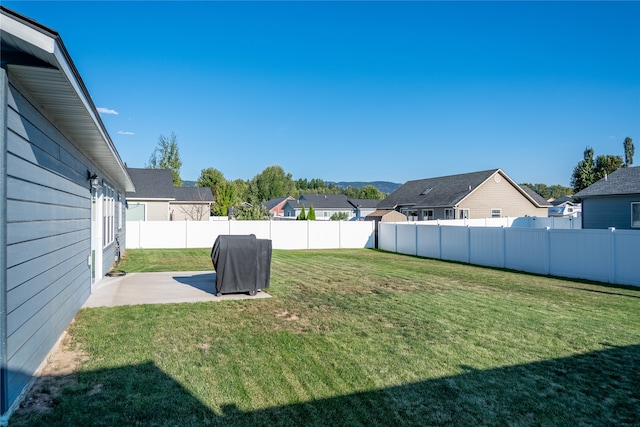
{"x":484,"y":194}
{"x":156,"y":199}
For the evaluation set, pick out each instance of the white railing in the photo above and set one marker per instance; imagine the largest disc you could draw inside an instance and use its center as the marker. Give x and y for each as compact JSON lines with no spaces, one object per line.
{"x":601,"y":255}
{"x":283,"y":234}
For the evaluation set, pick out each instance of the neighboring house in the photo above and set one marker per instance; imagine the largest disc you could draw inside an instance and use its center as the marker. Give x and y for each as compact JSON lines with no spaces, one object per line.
{"x":614,"y":201}
{"x":156,"y":199}
{"x":326,"y":205}
{"x":191,"y":204}
{"x":61,"y":199}
{"x":150,"y":200}
{"x":363,"y":207}
{"x":276,"y":206}
{"x":484,"y":194}
{"x":565,"y":206}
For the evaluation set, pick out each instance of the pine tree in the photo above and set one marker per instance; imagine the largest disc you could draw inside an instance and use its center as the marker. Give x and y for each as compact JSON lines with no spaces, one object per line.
{"x":312,"y":214}
{"x":302,"y":215}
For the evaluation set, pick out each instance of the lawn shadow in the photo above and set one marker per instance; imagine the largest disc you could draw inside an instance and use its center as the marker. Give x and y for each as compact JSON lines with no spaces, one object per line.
{"x":596,"y":388}
{"x":205,"y":282}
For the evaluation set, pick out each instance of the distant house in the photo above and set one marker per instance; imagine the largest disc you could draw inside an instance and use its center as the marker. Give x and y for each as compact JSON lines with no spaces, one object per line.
{"x":484,"y":194}
{"x":388,"y":215}
{"x":363,"y":207}
{"x":62,"y":213}
{"x":565,"y":206}
{"x":614,"y":201}
{"x":191,"y":204}
{"x":275,"y":206}
{"x":325,"y":205}
{"x":156,"y":199}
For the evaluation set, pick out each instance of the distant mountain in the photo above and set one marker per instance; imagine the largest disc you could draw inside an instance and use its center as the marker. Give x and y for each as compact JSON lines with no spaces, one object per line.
{"x":383,"y":186}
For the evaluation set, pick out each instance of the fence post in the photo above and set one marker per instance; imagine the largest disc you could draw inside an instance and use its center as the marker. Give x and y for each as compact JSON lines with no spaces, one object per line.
{"x":186,"y":234}
{"x":439,"y":241}
{"x":468,"y":245}
{"x":612,"y":255}
{"x":416,"y":238}
{"x":547,"y":257}
{"x":395,"y":237}
{"x":504,"y":247}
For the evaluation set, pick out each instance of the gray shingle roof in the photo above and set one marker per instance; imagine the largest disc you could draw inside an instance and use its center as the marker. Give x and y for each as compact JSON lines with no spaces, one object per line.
{"x":621,"y":182}
{"x":364,"y":203}
{"x":441,"y":191}
{"x":324,"y":201}
{"x":535,"y":196}
{"x":151,"y":184}
{"x":193,"y":194}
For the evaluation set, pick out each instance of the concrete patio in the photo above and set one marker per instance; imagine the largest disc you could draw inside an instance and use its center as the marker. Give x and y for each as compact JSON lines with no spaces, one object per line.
{"x":160,"y":288}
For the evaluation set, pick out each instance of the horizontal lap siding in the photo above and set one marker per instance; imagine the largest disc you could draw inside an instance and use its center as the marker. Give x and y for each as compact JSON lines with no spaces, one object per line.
{"x":48,"y":237}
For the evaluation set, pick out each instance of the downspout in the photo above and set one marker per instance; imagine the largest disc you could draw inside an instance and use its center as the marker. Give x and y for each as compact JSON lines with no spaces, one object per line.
{"x":4,"y":404}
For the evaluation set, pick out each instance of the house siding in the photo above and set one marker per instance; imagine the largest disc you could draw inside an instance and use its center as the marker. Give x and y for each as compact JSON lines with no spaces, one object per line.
{"x":190,"y":211}
{"x":605,"y":212}
{"x":48,"y":237}
{"x":157,"y":211}
{"x":499,"y":195}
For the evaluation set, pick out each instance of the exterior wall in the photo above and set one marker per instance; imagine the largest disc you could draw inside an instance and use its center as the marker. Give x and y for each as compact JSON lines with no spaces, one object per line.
{"x":499,"y":195}
{"x":48,"y":229}
{"x":156,"y":210}
{"x":605,"y":212}
{"x":190,"y":211}
{"x":321,"y":214}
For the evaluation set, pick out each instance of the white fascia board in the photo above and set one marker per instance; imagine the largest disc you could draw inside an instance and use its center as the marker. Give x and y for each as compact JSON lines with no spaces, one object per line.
{"x":149,"y":199}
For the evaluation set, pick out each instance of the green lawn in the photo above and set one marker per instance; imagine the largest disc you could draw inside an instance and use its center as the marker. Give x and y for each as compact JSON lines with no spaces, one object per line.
{"x":360,"y":337}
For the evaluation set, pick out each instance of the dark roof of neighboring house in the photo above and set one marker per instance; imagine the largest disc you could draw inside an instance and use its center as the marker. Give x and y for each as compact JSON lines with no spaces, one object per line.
{"x":623,"y":181}
{"x":151,"y":184}
{"x":441,"y":191}
{"x":323,"y":201}
{"x":270,"y":204}
{"x":535,"y":196}
{"x":364,"y":203}
{"x":193,"y":194}
{"x":564,"y":199}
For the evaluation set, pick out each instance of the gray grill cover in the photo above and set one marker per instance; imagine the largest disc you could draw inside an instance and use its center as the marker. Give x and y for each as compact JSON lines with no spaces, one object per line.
{"x":242,"y":263}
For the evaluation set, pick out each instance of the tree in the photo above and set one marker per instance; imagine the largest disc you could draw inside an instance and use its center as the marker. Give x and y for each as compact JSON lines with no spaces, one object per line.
{"x":210,"y":177}
{"x":224,"y":195}
{"x":272,"y":182}
{"x":166,"y":156}
{"x":246,"y":212}
{"x":584,"y":174}
{"x":312,"y":214}
{"x":370,"y":192}
{"x":302,"y":215}
{"x":628,"y":151}
{"x":606,"y":164}
{"x":241,"y":188}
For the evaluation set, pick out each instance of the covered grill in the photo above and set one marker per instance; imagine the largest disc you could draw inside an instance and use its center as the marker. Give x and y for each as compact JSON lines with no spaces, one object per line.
{"x":242,"y":264}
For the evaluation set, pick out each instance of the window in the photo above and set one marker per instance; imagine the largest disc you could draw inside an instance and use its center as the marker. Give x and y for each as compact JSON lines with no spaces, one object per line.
{"x":463,"y":213}
{"x":449,"y":214}
{"x":635,"y":214}
{"x":108,"y":213}
{"x":412,"y":215}
{"x":425,"y":192}
{"x":427,"y":214}
{"x":119,"y":209}
{"x":496,"y":213}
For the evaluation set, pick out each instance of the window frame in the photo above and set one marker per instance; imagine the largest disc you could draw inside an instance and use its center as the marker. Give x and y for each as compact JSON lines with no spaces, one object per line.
{"x":449,"y":213}
{"x":635,"y":223}
{"x":462,"y":211}
{"x":496,"y":210}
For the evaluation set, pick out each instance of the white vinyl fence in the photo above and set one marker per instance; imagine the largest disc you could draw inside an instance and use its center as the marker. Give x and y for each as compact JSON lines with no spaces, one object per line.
{"x":611,"y":256}
{"x":568,"y":223}
{"x":283,"y":234}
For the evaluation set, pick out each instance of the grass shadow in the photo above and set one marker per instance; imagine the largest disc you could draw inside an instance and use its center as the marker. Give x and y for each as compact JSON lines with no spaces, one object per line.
{"x":596,"y":388}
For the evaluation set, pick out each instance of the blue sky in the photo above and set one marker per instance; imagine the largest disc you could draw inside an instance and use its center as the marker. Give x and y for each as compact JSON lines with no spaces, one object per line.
{"x":360,"y":91}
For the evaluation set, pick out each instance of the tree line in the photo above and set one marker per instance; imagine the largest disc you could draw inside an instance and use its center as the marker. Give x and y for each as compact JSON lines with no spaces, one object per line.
{"x":247,"y":196}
